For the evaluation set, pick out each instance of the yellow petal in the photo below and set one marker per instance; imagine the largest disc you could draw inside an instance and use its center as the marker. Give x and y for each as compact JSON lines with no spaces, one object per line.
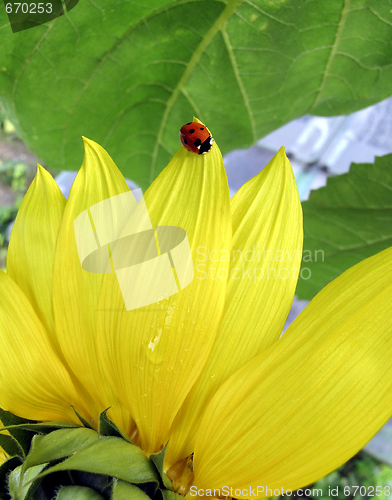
{"x":314,"y":398}
{"x":265,"y":261}
{"x":3,"y":456}
{"x":30,"y":257}
{"x":76,"y":291}
{"x":33,"y":382}
{"x":154,"y":354}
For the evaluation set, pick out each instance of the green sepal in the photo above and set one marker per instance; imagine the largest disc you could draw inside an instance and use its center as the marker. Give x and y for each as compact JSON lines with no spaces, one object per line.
{"x":78,"y":493}
{"x":5,"y":470}
{"x":11,"y":446}
{"x":21,"y":484}
{"x":9,"y":418}
{"x":113,"y":457}
{"x":126,"y":491}
{"x":22,"y":436}
{"x":158,"y":460}
{"x":106,"y":427}
{"x":171,"y":495}
{"x":41,"y":427}
{"x":83,"y":421}
{"x":98,"y":482}
{"x":58,"y":444}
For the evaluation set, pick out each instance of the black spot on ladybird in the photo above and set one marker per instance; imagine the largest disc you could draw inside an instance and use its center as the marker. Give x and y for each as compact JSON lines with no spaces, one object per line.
{"x":186,"y":142}
{"x":192,"y":131}
{"x":189,"y":123}
{"x":201,"y":128}
{"x":197,"y":143}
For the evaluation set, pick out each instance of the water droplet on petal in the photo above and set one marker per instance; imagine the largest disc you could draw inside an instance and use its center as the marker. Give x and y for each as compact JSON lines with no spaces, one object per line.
{"x":154,"y":341}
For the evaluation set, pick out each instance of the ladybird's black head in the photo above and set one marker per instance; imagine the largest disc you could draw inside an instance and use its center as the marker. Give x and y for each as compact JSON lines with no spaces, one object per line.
{"x":206,"y":145}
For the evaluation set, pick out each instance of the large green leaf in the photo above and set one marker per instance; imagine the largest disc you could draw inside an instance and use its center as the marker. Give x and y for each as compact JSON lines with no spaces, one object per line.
{"x":130,"y":74}
{"x":345,"y":222}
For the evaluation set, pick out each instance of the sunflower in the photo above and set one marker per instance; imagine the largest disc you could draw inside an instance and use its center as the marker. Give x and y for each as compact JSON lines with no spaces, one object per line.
{"x":243,"y":412}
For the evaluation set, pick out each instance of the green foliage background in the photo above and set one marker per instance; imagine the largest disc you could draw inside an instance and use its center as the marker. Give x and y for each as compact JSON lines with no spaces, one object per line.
{"x":129,"y":74}
{"x":349,"y":220}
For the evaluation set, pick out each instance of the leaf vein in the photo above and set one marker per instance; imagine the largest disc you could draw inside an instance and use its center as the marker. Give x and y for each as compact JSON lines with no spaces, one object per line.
{"x":206,"y":40}
{"x":240,"y":82}
{"x":345,"y":11}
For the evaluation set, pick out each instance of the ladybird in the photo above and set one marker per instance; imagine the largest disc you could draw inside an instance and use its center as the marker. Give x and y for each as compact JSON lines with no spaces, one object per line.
{"x":196,"y":138}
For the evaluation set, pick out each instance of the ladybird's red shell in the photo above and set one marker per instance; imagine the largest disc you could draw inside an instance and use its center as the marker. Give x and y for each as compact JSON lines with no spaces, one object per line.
{"x":195,"y":137}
